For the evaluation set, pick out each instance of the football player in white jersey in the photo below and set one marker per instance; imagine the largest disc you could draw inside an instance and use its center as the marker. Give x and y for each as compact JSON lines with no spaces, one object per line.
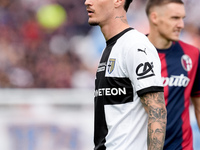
{"x":130,"y":111}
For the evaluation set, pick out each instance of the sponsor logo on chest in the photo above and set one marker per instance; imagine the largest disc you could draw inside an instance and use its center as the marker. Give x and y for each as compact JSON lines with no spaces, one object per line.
{"x":177,"y":81}
{"x":110,"y":91}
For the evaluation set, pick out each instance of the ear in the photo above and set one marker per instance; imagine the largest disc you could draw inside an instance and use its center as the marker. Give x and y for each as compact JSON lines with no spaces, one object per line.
{"x":153,"y":16}
{"x":118,"y":3}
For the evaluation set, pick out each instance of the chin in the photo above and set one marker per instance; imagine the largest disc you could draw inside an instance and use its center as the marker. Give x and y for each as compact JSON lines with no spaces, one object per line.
{"x":174,"y":39}
{"x":177,"y":37}
{"x":93,"y":23}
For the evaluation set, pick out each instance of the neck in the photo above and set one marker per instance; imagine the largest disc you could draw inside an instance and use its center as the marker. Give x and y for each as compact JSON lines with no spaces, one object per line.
{"x":158,"y":41}
{"x":114,"y":26}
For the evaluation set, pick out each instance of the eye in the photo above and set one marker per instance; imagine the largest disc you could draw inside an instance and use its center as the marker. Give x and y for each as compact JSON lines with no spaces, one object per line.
{"x":175,"y":18}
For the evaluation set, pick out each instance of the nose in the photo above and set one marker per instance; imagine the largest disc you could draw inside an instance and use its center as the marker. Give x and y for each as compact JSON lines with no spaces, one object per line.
{"x":181,"y":24}
{"x":87,"y":2}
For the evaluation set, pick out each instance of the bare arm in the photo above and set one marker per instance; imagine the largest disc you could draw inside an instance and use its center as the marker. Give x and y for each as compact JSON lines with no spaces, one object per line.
{"x":196,"y":103}
{"x":154,"y":105}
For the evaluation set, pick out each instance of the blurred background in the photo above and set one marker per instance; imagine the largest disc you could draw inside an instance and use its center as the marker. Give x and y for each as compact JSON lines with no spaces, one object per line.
{"x":48,"y":58}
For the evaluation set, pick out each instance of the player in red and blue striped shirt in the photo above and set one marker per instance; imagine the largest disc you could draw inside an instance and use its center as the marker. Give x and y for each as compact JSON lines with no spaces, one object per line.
{"x":180,"y":70}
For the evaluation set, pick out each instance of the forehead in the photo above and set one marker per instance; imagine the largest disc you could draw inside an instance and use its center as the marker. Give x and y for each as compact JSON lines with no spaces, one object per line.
{"x":173,"y":9}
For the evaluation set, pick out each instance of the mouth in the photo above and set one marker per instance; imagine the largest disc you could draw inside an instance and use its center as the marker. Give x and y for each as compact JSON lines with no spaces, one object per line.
{"x":90,"y":12}
{"x":177,"y":32}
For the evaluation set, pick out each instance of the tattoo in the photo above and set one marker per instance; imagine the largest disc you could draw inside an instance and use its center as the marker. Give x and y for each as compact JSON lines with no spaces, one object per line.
{"x":124,"y":20}
{"x":119,"y":17}
{"x":154,"y":104}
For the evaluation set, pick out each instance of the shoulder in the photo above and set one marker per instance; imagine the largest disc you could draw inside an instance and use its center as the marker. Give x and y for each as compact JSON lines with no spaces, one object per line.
{"x":136,"y":35}
{"x":188,"y":47}
{"x":137,"y":40}
{"x":190,"y":52}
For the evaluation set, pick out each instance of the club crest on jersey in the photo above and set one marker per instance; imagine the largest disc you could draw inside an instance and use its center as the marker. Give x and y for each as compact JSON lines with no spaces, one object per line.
{"x":111,"y":65}
{"x":186,"y":62}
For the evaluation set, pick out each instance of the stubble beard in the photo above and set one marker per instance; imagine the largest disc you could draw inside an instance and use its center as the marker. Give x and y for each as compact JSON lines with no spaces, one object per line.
{"x":93,"y":23}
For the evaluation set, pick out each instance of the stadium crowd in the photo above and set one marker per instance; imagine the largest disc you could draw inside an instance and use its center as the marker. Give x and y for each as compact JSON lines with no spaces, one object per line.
{"x":32,"y":56}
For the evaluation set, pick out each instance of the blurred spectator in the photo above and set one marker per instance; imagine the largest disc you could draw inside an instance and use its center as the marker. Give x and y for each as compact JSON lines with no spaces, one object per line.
{"x":34,"y":57}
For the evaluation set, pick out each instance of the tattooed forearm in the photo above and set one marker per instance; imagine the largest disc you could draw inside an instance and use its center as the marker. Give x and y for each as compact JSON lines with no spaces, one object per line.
{"x":155,"y":106}
{"x":123,"y":19}
{"x":156,"y":128}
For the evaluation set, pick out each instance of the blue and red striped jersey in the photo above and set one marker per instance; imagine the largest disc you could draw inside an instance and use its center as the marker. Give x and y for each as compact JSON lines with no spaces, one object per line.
{"x":181,"y":78}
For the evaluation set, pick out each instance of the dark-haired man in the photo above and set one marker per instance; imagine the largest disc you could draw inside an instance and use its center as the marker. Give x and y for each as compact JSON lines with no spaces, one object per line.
{"x":180,"y":64}
{"x":130,"y":111}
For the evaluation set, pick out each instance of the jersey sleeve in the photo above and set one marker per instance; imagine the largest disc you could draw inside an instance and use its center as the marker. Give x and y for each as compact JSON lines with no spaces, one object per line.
{"x":144,"y":67}
{"x":196,"y":86}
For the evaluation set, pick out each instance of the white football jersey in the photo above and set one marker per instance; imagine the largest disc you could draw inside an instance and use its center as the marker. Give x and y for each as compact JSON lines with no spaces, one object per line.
{"x":129,"y":67}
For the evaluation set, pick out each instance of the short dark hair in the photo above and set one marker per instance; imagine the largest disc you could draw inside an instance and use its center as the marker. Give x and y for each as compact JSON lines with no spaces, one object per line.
{"x":152,"y":3}
{"x":127,"y":4}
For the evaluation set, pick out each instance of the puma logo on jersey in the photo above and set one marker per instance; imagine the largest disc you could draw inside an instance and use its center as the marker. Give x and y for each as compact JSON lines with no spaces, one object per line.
{"x":145,"y":70}
{"x":140,"y":50}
